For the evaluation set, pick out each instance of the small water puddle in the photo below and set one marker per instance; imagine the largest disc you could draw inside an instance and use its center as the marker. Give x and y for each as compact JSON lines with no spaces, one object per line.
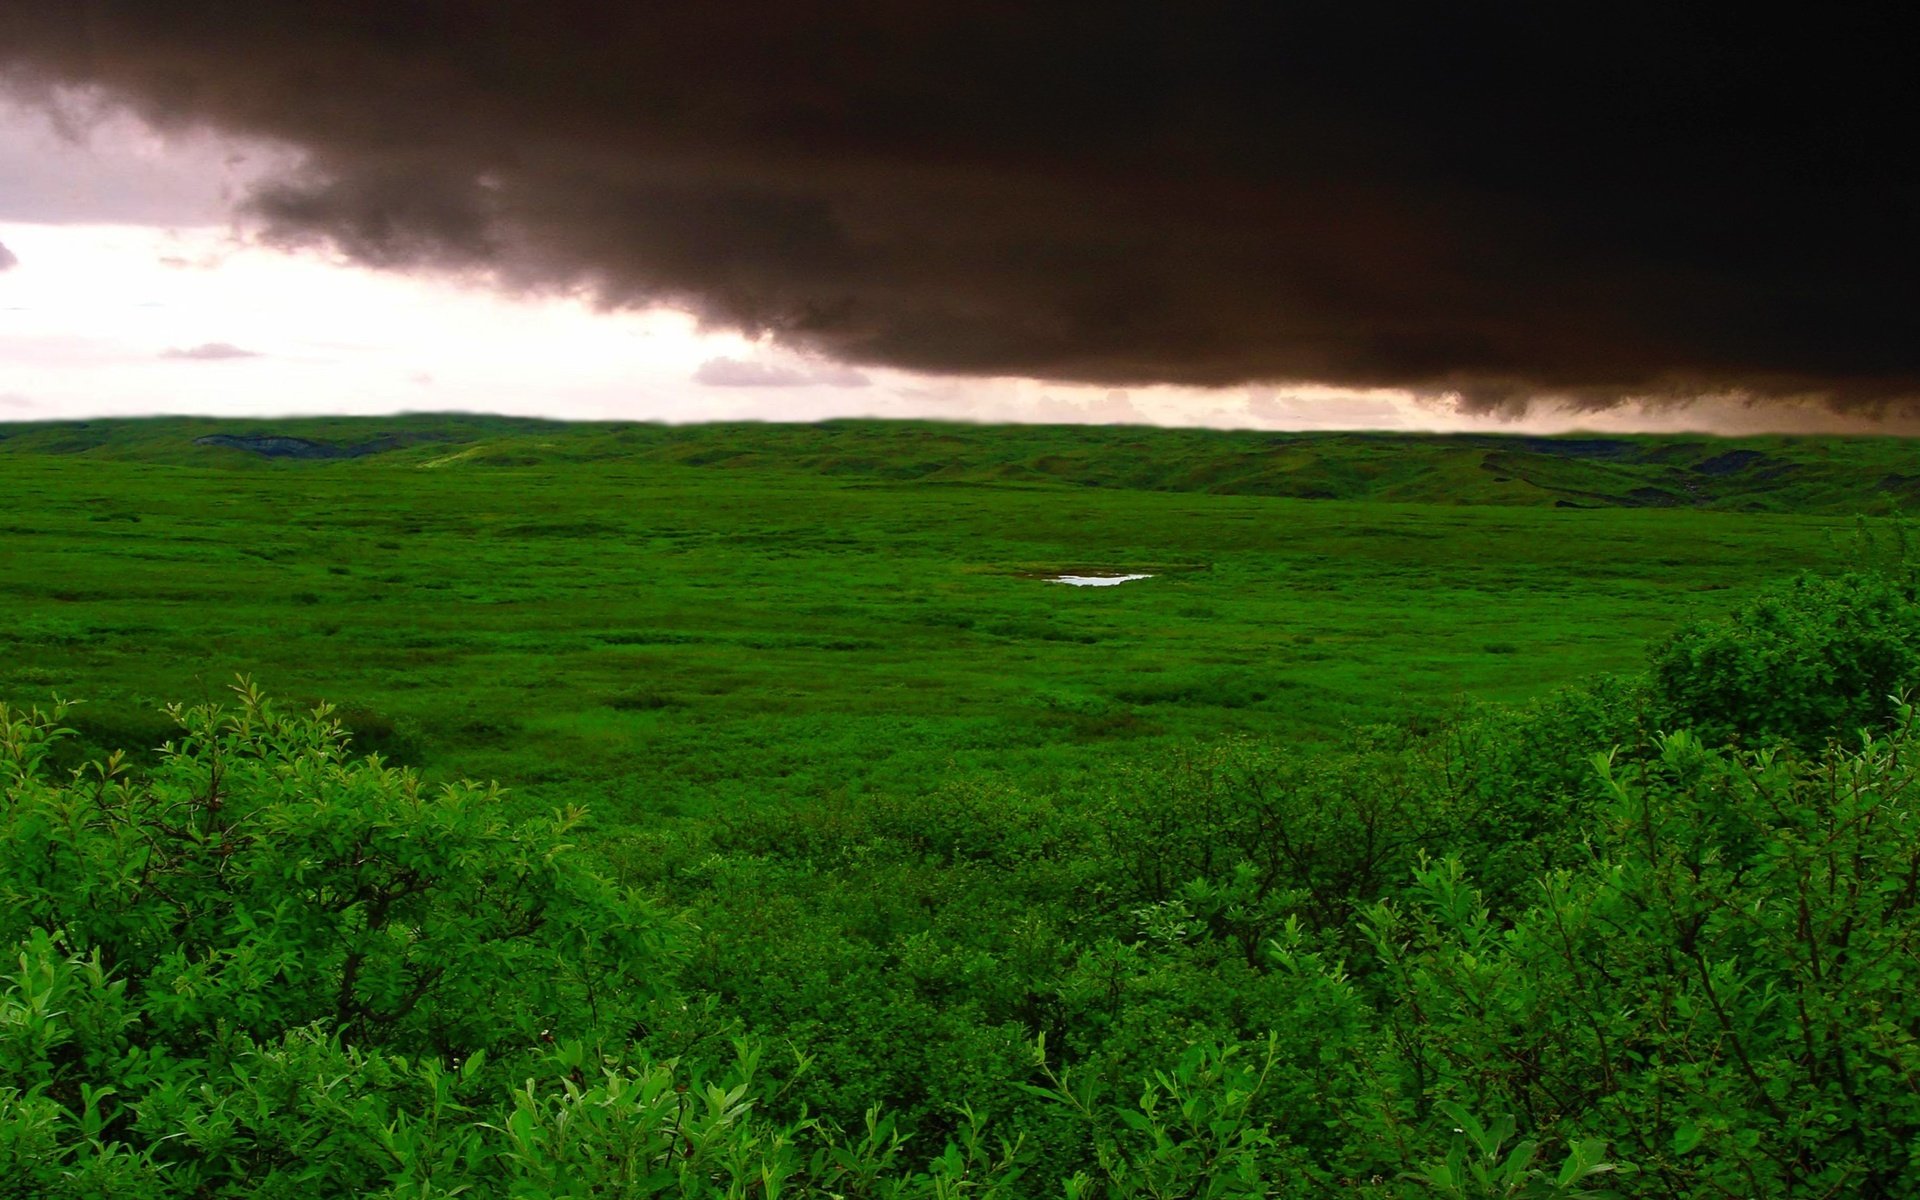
{"x":1094,"y":580}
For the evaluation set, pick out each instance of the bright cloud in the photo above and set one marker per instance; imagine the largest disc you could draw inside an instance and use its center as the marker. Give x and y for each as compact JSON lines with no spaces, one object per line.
{"x":209,"y":352}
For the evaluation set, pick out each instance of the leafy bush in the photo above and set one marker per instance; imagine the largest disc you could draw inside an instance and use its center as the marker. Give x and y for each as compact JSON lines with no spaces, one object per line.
{"x":260,"y":879}
{"x":267,"y":967}
{"x":1725,"y":991}
{"x":1817,"y":657}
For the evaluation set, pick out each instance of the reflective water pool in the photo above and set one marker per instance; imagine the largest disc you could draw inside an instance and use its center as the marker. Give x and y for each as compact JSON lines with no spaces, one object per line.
{"x":1095,"y":580}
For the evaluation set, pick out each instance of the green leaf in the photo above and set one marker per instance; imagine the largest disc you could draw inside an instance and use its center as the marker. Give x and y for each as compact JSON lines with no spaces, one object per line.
{"x":1686,"y":1137}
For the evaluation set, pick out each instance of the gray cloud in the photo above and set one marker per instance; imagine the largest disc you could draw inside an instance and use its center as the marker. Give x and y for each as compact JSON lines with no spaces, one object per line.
{"x":841,"y":376}
{"x":209,"y":352}
{"x":1499,"y":202}
{"x":734,"y":372}
{"x":7,"y":259}
{"x":73,"y":160}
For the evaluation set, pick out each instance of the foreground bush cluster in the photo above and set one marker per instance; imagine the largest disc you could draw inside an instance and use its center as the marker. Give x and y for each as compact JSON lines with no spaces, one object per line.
{"x":1650,"y":937}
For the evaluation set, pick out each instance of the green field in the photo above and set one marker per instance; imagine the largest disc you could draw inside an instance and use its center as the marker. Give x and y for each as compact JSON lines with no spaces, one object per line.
{"x":1346,"y":855}
{"x":652,"y":637}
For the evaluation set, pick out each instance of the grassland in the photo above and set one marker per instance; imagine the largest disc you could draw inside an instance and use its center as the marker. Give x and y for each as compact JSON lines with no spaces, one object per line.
{"x":659,"y":622}
{"x":1004,"y":874}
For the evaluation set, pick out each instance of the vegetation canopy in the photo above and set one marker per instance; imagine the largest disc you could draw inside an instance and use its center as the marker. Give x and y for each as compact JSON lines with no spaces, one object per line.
{"x":1647,"y":932}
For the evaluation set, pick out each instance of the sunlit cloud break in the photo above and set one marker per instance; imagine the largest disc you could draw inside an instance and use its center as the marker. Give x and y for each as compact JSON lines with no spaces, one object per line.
{"x":734,"y":372}
{"x":210,"y":352}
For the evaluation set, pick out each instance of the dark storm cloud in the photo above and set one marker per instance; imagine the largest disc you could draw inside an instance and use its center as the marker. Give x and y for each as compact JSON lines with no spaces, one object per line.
{"x":1498,"y":199}
{"x":209,"y":352}
{"x":7,"y":259}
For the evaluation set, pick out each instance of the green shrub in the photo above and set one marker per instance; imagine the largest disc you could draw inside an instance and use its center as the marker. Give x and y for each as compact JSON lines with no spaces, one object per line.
{"x":261,"y":879}
{"x":269,"y":968}
{"x":1725,"y":992}
{"x":1811,"y":659}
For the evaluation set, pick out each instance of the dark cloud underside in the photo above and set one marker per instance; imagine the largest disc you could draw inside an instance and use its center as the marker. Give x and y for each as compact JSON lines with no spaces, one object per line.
{"x":1503,"y":199}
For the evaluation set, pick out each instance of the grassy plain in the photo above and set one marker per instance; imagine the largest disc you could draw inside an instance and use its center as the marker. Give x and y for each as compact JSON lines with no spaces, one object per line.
{"x":938,"y":834}
{"x":659,"y":622}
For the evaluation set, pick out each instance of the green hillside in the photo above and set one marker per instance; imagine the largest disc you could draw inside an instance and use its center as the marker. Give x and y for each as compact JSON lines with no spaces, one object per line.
{"x":1768,"y":474}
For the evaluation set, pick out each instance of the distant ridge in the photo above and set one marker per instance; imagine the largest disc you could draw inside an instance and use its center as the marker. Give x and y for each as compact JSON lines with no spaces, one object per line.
{"x":1773,"y":474}
{"x":271,"y":445}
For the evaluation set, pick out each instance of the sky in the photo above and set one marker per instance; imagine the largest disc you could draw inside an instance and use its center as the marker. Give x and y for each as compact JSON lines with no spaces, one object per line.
{"x":1146,"y":215}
